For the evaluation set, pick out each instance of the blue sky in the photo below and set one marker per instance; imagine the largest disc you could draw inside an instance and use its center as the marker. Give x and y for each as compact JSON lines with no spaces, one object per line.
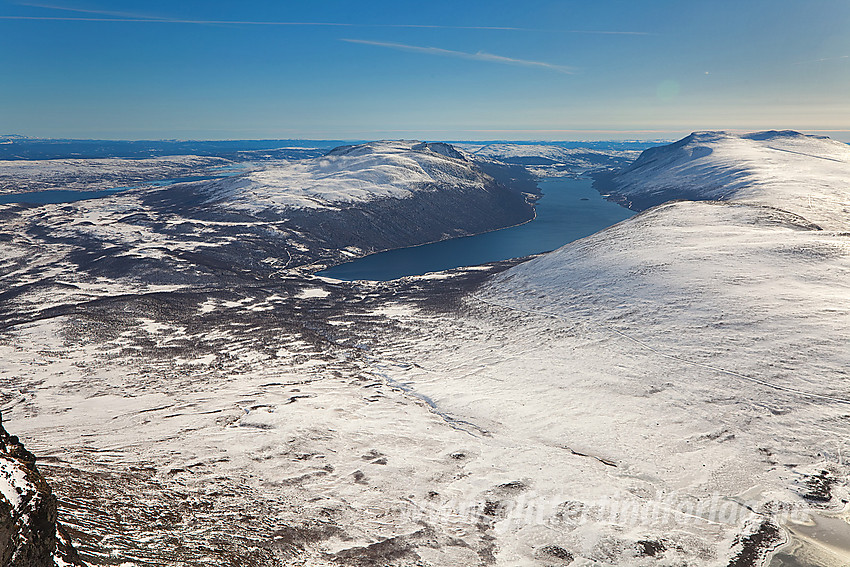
{"x":543,"y":70}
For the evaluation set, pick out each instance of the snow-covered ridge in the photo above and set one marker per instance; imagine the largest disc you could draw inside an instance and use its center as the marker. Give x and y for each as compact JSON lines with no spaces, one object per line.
{"x":348,"y":175}
{"x":806,"y":175}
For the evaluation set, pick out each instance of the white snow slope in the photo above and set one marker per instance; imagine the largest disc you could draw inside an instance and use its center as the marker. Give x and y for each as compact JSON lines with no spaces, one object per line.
{"x":700,"y":346}
{"x":14,"y":484}
{"x":387,"y":169}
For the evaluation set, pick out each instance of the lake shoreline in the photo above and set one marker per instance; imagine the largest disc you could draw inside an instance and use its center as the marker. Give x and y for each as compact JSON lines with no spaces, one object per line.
{"x":567,"y":210}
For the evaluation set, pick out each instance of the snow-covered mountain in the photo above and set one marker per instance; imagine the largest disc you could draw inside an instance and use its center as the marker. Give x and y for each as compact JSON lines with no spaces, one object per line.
{"x":358,"y":199}
{"x":806,"y":175}
{"x":348,"y":176}
{"x":700,"y":346}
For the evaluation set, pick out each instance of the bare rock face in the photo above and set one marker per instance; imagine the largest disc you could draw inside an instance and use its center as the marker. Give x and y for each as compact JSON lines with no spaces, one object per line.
{"x":28,"y":509}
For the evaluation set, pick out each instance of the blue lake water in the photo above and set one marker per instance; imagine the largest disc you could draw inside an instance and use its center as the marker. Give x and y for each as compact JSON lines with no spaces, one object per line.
{"x":569,"y":209}
{"x":55,"y":196}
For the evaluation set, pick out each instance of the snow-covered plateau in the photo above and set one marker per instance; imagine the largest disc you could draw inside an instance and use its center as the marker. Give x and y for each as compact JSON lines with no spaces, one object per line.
{"x":550,"y":160}
{"x":672,"y":391}
{"x":22,"y":176}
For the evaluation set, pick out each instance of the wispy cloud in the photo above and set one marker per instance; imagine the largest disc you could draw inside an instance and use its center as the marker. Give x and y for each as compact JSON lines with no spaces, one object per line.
{"x":172,"y":21}
{"x":477,"y":56}
{"x":122,"y":15}
{"x":110,"y":16}
{"x":158,"y":20}
{"x":822,"y":60}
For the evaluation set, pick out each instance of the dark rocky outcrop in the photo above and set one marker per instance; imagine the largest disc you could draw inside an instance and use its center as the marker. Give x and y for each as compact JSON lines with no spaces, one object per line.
{"x":29,"y":533}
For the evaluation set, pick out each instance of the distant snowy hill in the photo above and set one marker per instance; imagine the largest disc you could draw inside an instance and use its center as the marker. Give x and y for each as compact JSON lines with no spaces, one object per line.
{"x":360,"y":199}
{"x":551,"y":160}
{"x":806,"y":175}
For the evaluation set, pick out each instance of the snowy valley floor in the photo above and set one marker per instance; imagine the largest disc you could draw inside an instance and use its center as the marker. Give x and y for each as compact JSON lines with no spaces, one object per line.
{"x":241,"y":427}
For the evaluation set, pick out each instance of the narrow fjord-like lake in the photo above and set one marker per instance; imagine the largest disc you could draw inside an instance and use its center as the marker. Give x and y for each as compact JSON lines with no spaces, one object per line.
{"x":59,"y":196}
{"x":569,"y":209}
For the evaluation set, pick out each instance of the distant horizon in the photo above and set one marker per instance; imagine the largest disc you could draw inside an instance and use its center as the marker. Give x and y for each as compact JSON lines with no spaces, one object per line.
{"x":838,"y":135}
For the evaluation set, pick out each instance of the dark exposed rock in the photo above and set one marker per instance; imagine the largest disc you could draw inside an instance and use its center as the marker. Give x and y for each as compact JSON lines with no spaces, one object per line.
{"x":513,"y":487}
{"x":556,"y":552}
{"x":649,"y":547}
{"x":754,"y":547}
{"x":390,"y":551}
{"x":28,"y":511}
{"x":819,"y":487}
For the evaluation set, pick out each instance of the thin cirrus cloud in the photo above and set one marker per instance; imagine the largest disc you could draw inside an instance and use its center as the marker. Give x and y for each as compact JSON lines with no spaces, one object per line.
{"x":109,"y":16}
{"x":821,"y":60}
{"x":157,"y":20}
{"x":477,"y":56}
{"x":153,"y":20}
{"x":116,"y":15}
